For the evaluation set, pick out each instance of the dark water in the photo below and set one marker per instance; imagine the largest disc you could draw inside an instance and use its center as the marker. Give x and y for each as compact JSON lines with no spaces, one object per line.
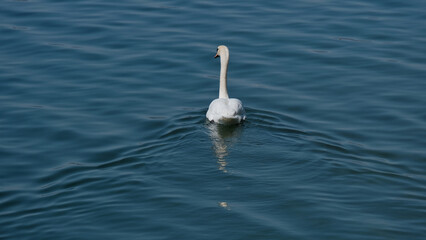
{"x":103,"y":132}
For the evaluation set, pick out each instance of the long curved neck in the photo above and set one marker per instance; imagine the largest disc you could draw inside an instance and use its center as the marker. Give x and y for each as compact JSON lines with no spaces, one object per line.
{"x":223,"y":90}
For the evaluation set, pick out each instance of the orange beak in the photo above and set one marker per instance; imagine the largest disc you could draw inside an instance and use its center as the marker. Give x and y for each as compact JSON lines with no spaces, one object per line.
{"x":215,"y":56}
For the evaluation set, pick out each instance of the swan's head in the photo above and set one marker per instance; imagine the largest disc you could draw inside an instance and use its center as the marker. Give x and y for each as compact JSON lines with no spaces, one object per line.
{"x":222,"y":51}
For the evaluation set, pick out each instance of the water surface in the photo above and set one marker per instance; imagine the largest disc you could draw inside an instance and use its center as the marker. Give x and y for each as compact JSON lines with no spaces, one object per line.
{"x":103,"y":130}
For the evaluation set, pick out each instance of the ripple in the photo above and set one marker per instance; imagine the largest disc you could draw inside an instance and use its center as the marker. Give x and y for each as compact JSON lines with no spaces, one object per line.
{"x":104,"y":132}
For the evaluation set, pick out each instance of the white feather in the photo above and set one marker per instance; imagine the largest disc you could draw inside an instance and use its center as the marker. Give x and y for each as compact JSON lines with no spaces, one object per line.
{"x":225,"y":110}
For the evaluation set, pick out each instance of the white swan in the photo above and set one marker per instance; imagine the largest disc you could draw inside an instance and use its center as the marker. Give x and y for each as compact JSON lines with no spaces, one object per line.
{"x":225,"y":110}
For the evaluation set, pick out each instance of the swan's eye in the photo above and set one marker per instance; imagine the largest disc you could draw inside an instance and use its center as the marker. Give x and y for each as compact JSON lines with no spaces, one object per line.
{"x":217,"y":49}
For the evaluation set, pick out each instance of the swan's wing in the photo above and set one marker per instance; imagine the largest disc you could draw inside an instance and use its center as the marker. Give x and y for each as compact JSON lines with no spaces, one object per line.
{"x":214,"y":112}
{"x":237,"y":106}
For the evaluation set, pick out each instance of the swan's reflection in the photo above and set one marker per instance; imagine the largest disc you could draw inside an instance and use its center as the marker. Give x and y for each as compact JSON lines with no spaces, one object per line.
{"x":223,"y":137}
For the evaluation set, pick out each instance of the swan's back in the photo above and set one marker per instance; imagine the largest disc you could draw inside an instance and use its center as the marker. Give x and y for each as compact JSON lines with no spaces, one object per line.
{"x":226,"y":111}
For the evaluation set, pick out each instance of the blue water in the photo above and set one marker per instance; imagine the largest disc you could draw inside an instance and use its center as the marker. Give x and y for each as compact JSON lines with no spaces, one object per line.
{"x":103,"y":132}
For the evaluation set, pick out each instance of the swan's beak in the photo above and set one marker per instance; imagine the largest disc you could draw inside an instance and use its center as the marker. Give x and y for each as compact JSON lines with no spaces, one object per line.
{"x":215,"y":56}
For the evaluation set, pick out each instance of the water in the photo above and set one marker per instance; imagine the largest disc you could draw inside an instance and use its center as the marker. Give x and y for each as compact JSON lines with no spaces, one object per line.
{"x":103,"y":131}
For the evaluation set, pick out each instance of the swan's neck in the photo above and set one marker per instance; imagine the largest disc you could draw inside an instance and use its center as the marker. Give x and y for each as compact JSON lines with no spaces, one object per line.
{"x":223,"y":90}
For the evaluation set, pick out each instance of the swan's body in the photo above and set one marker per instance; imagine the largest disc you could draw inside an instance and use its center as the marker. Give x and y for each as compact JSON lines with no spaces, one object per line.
{"x":225,"y":110}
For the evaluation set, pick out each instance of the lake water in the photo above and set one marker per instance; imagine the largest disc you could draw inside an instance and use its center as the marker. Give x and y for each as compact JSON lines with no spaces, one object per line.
{"x":103,"y":132}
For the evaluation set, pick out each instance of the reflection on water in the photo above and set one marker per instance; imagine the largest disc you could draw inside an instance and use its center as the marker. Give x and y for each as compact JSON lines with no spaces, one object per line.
{"x":223,"y":137}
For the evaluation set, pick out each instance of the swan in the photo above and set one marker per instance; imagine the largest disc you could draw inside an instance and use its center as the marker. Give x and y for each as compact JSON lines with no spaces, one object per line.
{"x":225,"y":110}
